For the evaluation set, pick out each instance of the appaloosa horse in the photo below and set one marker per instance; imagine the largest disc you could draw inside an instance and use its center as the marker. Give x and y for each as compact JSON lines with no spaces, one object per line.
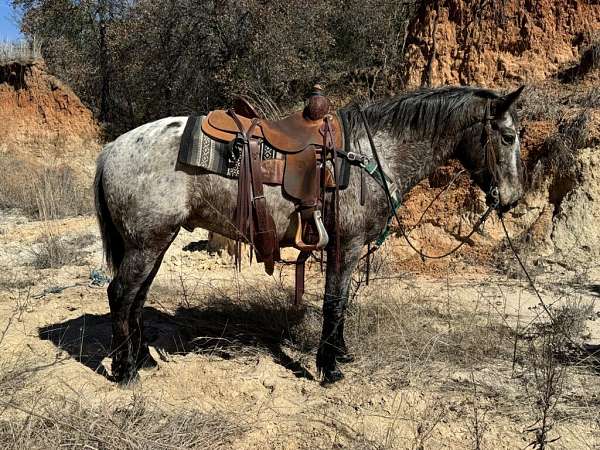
{"x":144,"y":196}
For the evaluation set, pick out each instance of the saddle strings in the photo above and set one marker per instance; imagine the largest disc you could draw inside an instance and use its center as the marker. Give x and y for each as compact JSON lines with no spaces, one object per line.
{"x":243,"y":216}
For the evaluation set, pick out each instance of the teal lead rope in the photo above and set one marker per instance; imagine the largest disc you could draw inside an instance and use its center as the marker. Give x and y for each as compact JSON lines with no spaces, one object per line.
{"x":375,"y":169}
{"x":395,"y":201}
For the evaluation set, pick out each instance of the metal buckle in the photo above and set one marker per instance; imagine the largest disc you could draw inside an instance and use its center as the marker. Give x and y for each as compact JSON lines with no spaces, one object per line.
{"x":495,"y":194}
{"x":362,"y":159}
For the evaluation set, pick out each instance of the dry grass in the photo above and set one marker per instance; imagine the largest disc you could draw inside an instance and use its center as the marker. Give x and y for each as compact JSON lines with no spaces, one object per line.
{"x":404,"y":339}
{"x":549,"y":101}
{"x":578,"y":130}
{"x":21,"y":52}
{"x":387,"y":335}
{"x":249,"y":320}
{"x":31,"y":419}
{"x":16,"y":185}
{"x":391,"y":338}
{"x":541,"y":102}
{"x":406,"y":344}
{"x":559,"y":155}
{"x":58,"y":194}
{"x":52,"y":251}
{"x":48,"y":193}
{"x":546,"y":385}
{"x":575,"y":132}
{"x":589,"y":99}
{"x":139,"y":424}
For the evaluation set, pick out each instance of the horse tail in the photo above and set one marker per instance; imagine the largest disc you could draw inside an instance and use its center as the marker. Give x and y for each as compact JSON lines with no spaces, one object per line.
{"x":112,"y":242}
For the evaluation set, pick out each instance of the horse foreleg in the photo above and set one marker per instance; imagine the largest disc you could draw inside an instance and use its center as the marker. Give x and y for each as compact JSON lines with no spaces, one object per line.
{"x":134,"y":270}
{"x":332,"y":347}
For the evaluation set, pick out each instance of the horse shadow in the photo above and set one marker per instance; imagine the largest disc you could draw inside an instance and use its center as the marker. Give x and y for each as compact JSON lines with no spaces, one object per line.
{"x":223,"y":330}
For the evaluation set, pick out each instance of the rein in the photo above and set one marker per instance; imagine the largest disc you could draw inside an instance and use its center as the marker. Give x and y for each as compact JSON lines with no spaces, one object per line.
{"x":491,"y":163}
{"x":555,"y":323}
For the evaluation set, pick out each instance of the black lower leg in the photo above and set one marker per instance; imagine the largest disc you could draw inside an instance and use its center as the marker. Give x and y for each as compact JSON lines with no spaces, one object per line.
{"x":333,"y":346}
{"x":328,"y":348}
{"x":141,"y":352}
{"x":139,"y":343}
{"x":123,"y":369}
{"x":344,"y":355}
{"x":123,"y":293}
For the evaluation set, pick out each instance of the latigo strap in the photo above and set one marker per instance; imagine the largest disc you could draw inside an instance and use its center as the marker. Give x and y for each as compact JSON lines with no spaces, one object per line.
{"x":265,"y":237}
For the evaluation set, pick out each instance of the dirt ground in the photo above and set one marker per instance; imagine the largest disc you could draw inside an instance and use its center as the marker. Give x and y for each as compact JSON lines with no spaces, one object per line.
{"x":442,"y":362}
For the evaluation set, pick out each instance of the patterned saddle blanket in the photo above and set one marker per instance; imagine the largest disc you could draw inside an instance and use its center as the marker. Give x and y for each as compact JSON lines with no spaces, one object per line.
{"x":221,"y":158}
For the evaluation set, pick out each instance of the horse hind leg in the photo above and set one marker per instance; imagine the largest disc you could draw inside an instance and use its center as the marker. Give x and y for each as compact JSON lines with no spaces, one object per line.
{"x":139,"y":343}
{"x":142,"y":356}
{"x":132,"y":279}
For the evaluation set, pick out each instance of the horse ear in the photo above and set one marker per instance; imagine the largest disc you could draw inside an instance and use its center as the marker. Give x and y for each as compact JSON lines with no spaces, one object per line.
{"x":504,"y":103}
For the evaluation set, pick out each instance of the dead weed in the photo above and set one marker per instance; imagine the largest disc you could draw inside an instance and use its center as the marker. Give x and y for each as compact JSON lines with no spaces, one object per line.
{"x":139,"y":424}
{"x":52,"y":192}
{"x":52,"y":251}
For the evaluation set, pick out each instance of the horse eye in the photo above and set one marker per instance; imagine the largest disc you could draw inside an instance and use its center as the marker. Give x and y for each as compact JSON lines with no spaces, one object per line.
{"x":508,"y":139}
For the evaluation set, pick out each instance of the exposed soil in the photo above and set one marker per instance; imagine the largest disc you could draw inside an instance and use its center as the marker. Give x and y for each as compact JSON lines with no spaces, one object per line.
{"x":497,"y":43}
{"x":40,"y":117}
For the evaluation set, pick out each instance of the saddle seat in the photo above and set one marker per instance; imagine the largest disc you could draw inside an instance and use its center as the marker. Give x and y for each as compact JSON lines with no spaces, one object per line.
{"x":291,"y":134}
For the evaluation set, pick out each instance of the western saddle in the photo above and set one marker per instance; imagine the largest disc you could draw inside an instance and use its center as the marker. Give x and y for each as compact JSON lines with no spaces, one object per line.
{"x":306,"y":167}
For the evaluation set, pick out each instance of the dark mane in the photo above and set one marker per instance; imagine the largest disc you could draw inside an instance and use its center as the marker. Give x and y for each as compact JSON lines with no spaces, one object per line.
{"x":424,"y":114}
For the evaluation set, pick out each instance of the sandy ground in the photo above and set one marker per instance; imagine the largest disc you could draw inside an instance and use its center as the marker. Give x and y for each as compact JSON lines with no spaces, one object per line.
{"x":58,"y":321}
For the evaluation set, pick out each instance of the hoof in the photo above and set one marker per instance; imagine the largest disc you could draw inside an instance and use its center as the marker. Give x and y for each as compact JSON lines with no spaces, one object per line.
{"x":146,"y":362}
{"x":327,"y":365}
{"x":331,"y":376}
{"x":124,"y":374}
{"x":345,"y":358}
{"x":129,"y":382}
{"x":126,"y":380}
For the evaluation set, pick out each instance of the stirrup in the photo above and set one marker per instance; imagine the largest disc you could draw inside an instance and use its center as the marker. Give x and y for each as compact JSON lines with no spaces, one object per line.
{"x":323,"y":236}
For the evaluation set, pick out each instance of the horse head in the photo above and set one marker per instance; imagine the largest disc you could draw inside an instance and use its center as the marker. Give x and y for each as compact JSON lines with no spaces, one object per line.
{"x":491,"y":150}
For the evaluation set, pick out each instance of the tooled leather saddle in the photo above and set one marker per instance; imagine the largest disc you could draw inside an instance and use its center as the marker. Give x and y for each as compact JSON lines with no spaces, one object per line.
{"x":308,"y":142}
